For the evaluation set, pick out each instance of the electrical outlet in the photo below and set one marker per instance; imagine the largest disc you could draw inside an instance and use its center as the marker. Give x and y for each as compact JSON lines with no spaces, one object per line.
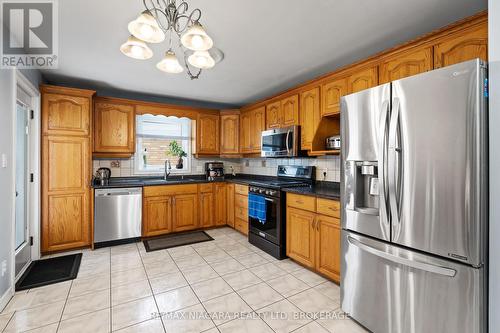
{"x":325,"y":172}
{"x":4,"y":160}
{"x":4,"y":267}
{"x":263,"y":163}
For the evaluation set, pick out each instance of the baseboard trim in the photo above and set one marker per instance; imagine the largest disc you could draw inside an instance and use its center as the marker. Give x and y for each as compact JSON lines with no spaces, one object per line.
{"x":6,"y":298}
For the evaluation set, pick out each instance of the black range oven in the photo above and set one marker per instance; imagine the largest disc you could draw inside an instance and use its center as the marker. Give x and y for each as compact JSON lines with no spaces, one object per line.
{"x":269,"y":234}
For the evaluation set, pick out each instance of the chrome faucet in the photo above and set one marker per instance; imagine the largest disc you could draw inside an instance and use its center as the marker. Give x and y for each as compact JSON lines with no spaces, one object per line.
{"x":168,"y":167}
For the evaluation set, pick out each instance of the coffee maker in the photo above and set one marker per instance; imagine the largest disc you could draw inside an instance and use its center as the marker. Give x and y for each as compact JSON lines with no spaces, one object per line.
{"x":102,"y":176}
{"x":214,"y":171}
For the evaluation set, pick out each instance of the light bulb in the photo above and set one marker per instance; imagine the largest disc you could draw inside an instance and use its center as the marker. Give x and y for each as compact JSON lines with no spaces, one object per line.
{"x":136,"y":48}
{"x":201,"y":59}
{"x":146,"y":28}
{"x":136,"y":51}
{"x":197,"y":41}
{"x":196,"y":38}
{"x":170,"y":63}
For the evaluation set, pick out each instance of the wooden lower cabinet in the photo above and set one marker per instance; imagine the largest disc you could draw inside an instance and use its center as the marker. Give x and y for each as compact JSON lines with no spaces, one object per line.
{"x":300,"y":236}
{"x":206,"y":209}
{"x":230,"y":205}
{"x":157,"y":216}
{"x":220,"y":204}
{"x":313,"y":239}
{"x":328,"y":251}
{"x":185,"y":211}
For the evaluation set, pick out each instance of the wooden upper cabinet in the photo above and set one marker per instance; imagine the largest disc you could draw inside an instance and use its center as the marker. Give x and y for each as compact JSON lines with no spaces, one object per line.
{"x":461,"y":46}
{"x":65,"y":115}
{"x":246,"y":132}
{"x":328,"y":252}
{"x":157,"y":216}
{"x":310,"y":116}
{"x":230,"y":134}
{"x":220,"y":204}
{"x":273,"y":115}
{"x":300,"y":236}
{"x":114,"y":127}
{"x":207,"y":138}
{"x":406,"y":64}
{"x":185,"y":212}
{"x":330,"y":96}
{"x":259,"y":125}
{"x":290,"y":111}
{"x":363,"y":79}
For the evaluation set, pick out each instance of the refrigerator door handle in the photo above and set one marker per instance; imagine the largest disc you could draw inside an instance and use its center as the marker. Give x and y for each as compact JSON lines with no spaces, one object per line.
{"x":403,"y":261}
{"x":382,"y":170}
{"x":393,"y":167}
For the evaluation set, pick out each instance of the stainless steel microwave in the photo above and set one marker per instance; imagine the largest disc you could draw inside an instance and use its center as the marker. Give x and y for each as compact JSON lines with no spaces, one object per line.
{"x":281,"y":142}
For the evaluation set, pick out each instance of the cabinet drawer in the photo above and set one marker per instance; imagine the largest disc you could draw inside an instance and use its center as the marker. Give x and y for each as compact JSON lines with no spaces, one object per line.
{"x":241,"y":226}
{"x":204,"y":188}
{"x":241,"y":201}
{"x":328,"y":207}
{"x":241,"y":213}
{"x":301,"y":201}
{"x":161,"y":190}
{"x":241,"y":189}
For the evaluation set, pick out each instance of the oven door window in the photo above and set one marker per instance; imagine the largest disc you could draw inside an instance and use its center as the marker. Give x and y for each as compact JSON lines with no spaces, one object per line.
{"x":274,"y":142}
{"x":269,"y":226}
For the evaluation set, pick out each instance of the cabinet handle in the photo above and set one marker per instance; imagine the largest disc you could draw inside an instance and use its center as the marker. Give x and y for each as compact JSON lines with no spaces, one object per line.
{"x":300,"y":202}
{"x":314,"y":224}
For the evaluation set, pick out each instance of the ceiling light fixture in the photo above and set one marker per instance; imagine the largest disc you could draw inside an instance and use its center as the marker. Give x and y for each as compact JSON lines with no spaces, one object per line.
{"x":165,"y":19}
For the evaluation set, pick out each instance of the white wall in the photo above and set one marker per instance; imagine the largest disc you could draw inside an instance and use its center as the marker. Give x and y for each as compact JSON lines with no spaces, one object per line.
{"x":494,"y":118}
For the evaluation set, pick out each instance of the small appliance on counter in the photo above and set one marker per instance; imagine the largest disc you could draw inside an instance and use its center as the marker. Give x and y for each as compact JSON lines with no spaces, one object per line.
{"x":102,"y":176}
{"x":333,"y":142}
{"x":214,"y":171}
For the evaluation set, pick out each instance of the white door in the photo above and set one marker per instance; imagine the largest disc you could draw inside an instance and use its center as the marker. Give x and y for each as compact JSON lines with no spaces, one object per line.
{"x":22,"y":234}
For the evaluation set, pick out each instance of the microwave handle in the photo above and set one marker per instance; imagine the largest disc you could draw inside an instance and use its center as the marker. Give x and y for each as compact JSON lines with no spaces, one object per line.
{"x":287,"y":140}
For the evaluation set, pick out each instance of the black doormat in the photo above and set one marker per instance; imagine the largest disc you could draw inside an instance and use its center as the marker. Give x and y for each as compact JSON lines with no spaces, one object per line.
{"x":49,"y":271}
{"x":169,"y":241}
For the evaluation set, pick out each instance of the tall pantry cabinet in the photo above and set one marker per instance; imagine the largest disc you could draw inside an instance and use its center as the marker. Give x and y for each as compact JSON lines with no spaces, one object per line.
{"x":66,"y":164}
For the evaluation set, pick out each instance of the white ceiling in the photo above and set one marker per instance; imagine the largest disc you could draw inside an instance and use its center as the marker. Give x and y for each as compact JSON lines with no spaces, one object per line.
{"x":269,"y":46}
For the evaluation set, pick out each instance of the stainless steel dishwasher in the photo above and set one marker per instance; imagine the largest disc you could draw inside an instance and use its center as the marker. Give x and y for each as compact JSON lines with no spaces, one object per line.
{"x":117,"y":215}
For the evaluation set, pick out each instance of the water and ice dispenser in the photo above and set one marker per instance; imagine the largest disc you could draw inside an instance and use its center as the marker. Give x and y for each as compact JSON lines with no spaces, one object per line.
{"x":362,"y":187}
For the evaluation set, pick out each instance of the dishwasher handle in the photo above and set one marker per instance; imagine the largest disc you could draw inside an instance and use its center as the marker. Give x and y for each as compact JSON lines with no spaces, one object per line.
{"x":118,"y":192}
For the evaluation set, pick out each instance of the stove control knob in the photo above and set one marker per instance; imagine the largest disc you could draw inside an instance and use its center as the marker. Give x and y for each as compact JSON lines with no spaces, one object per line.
{"x":261,"y":191}
{"x":271,"y":192}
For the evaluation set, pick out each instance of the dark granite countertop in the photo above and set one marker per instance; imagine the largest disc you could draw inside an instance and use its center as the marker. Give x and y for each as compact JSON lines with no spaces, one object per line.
{"x":327,"y":190}
{"x":121,"y":182}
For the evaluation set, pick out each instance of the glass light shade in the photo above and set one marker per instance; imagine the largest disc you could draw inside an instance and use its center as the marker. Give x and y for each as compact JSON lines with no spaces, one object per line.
{"x":201,"y":59}
{"x":170,"y":63}
{"x":196,"y":38}
{"x":146,"y":28}
{"x":136,"y":48}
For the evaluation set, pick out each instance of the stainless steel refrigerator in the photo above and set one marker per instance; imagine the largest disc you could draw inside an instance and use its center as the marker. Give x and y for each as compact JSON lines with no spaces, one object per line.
{"x":414,"y":198}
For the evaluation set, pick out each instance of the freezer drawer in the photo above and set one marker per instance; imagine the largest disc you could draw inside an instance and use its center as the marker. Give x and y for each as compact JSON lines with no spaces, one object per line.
{"x":389,"y":289}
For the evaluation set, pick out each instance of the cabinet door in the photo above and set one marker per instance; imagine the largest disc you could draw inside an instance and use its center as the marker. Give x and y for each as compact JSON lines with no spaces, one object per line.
{"x":230,"y":204}
{"x":65,"y":193}
{"x":185,"y":212}
{"x":114,"y":128}
{"x":290,"y":111}
{"x":157,"y":216}
{"x":364,"y":79}
{"x":230,"y":137}
{"x":258,"y":124}
{"x":330,"y":96}
{"x":273,"y":115}
{"x":462,"y":46}
{"x":206,"y":209}
{"x":310,"y":116}
{"x":246,"y":132}
{"x":220,"y":204}
{"x":208,"y":134}
{"x":300,"y":236}
{"x":406,"y":64}
{"x":328,"y":246}
{"x":65,"y":115}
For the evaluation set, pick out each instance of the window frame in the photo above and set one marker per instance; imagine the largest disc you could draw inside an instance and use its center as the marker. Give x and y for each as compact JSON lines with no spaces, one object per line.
{"x":188,"y":160}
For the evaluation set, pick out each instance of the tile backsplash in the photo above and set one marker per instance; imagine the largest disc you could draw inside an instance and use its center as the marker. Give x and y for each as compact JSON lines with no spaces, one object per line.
{"x":255,"y":166}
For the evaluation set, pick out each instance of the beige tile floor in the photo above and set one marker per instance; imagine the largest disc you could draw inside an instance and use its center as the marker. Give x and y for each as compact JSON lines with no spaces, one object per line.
{"x":226,"y":285}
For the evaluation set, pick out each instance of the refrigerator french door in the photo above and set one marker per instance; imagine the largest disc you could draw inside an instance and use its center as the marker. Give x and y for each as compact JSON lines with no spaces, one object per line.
{"x":414,"y":198}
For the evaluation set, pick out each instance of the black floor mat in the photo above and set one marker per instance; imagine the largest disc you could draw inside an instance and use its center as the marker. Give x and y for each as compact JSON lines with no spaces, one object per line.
{"x":168,"y":241}
{"x":49,"y":271}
